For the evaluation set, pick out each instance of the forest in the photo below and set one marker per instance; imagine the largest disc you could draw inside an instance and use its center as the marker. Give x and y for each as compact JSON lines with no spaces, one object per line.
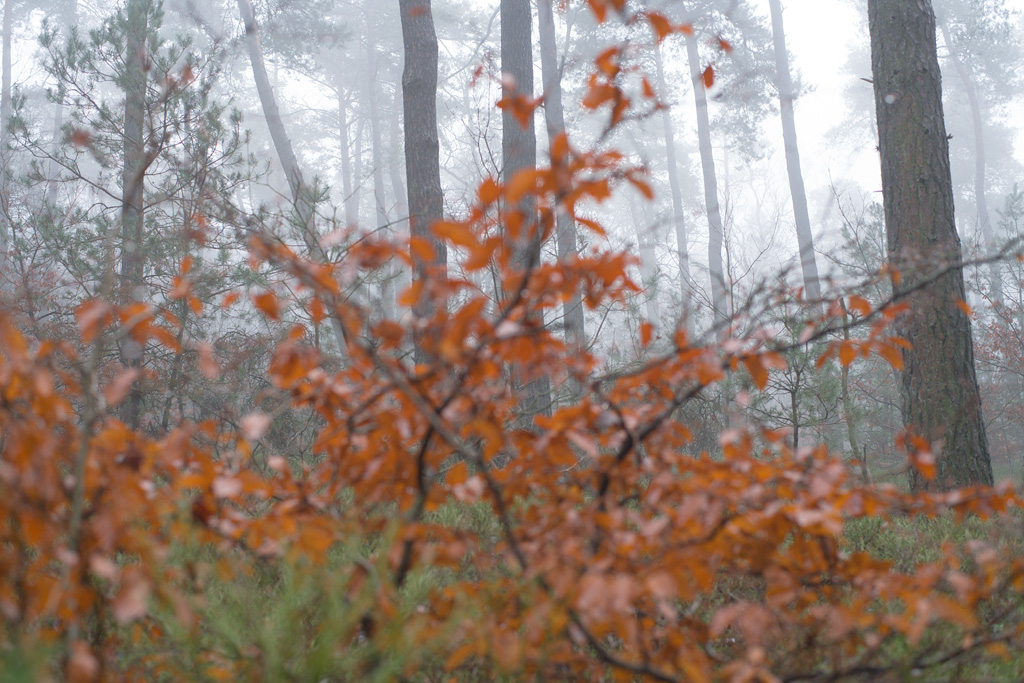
{"x":511,"y":340}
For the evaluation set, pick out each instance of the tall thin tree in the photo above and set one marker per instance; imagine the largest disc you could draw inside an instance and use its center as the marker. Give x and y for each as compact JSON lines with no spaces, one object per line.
{"x":301,"y":195}
{"x":554,"y":117}
{"x":5,"y":116}
{"x":678,"y":216}
{"x":422,"y":149}
{"x":519,"y":152}
{"x":939,"y":396}
{"x":716,"y":230}
{"x":978,"y":128}
{"x":68,"y":12}
{"x":5,"y":78}
{"x":379,"y":194}
{"x":133,"y":187}
{"x":787,"y":93}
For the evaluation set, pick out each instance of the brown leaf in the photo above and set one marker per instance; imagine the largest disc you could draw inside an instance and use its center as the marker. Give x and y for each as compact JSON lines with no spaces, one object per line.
{"x":116,"y":391}
{"x":709,"y":76}
{"x":83,"y":666}
{"x":255,"y":425}
{"x":131,"y":602}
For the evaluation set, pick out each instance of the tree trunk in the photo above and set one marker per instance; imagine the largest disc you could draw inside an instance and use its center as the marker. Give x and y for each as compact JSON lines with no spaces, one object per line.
{"x":132,"y":190}
{"x":68,"y":14}
{"x":422,"y":149}
{"x":379,"y":196}
{"x":939,"y":396}
{"x":554,"y":117}
{"x":5,"y":116}
{"x":5,"y":84}
{"x":519,"y":151}
{"x":357,"y":168}
{"x":398,"y":274}
{"x":678,"y":217}
{"x":984,"y":222}
{"x":805,"y":238}
{"x":283,"y":146}
{"x":647,"y":246}
{"x":347,"y":182}
{"x":849,"y":409}
{"x":395,"y":166}
{"x":719,"y":303}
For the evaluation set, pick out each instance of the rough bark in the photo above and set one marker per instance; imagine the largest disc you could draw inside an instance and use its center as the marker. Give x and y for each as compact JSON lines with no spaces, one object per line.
{"x":283,"y":146}
{"x":805,"y":238}
{"x":132,"y":190}
{"x":519,"y":151}
{"x":554,"y":118}
{"x":978,"y":126}
{"x":678,"y":217}
{"x":939,"y":396}
{"x":422,"y":149}
{"x":716,"y":231}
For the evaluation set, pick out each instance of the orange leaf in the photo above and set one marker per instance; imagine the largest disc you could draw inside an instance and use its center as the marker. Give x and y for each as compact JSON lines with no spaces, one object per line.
{"x":523,"y":182}
{"x":648,"y":89}
{"x":116,"y":391}
{"x":709,"y":76}
{"x":593,"y":225}
{"x":891,"y":354}
{"x":756,"y":370}
{"x":560,"y":148}
{"x":412,"y":294}
{"x":457,"y":474}
{"x":646,"y":333}
{"x":661,"y":25}
{"x":165,"y":337}
{"x":489,"y":191}
{"x":316,"y":310}
{"x":268,"y":303}
{"x":860,"y":304}
{"x":607,"y":62}
{"x":643,"y":186}
{"x":180,"y":287}
{"x":599,"y":93}
{"x":456,"y":233}
{"x":847,"y":353}
{"x":422,"y":250}
{"x":599,"y":8}
{"x":92,"y":316}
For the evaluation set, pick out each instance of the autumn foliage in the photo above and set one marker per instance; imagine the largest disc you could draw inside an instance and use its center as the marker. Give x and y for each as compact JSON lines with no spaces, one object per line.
{"x":613,"y":548}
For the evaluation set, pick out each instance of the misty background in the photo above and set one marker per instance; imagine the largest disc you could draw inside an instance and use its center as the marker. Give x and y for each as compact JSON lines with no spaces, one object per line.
{"x":336,"y":70}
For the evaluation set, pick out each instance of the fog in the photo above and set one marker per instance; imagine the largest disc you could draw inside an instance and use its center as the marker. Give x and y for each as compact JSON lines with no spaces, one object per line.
{"x":336,"y":71}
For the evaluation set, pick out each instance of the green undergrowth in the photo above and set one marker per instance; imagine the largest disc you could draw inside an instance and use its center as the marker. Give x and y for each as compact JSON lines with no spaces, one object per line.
{"x":304,"y":622}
